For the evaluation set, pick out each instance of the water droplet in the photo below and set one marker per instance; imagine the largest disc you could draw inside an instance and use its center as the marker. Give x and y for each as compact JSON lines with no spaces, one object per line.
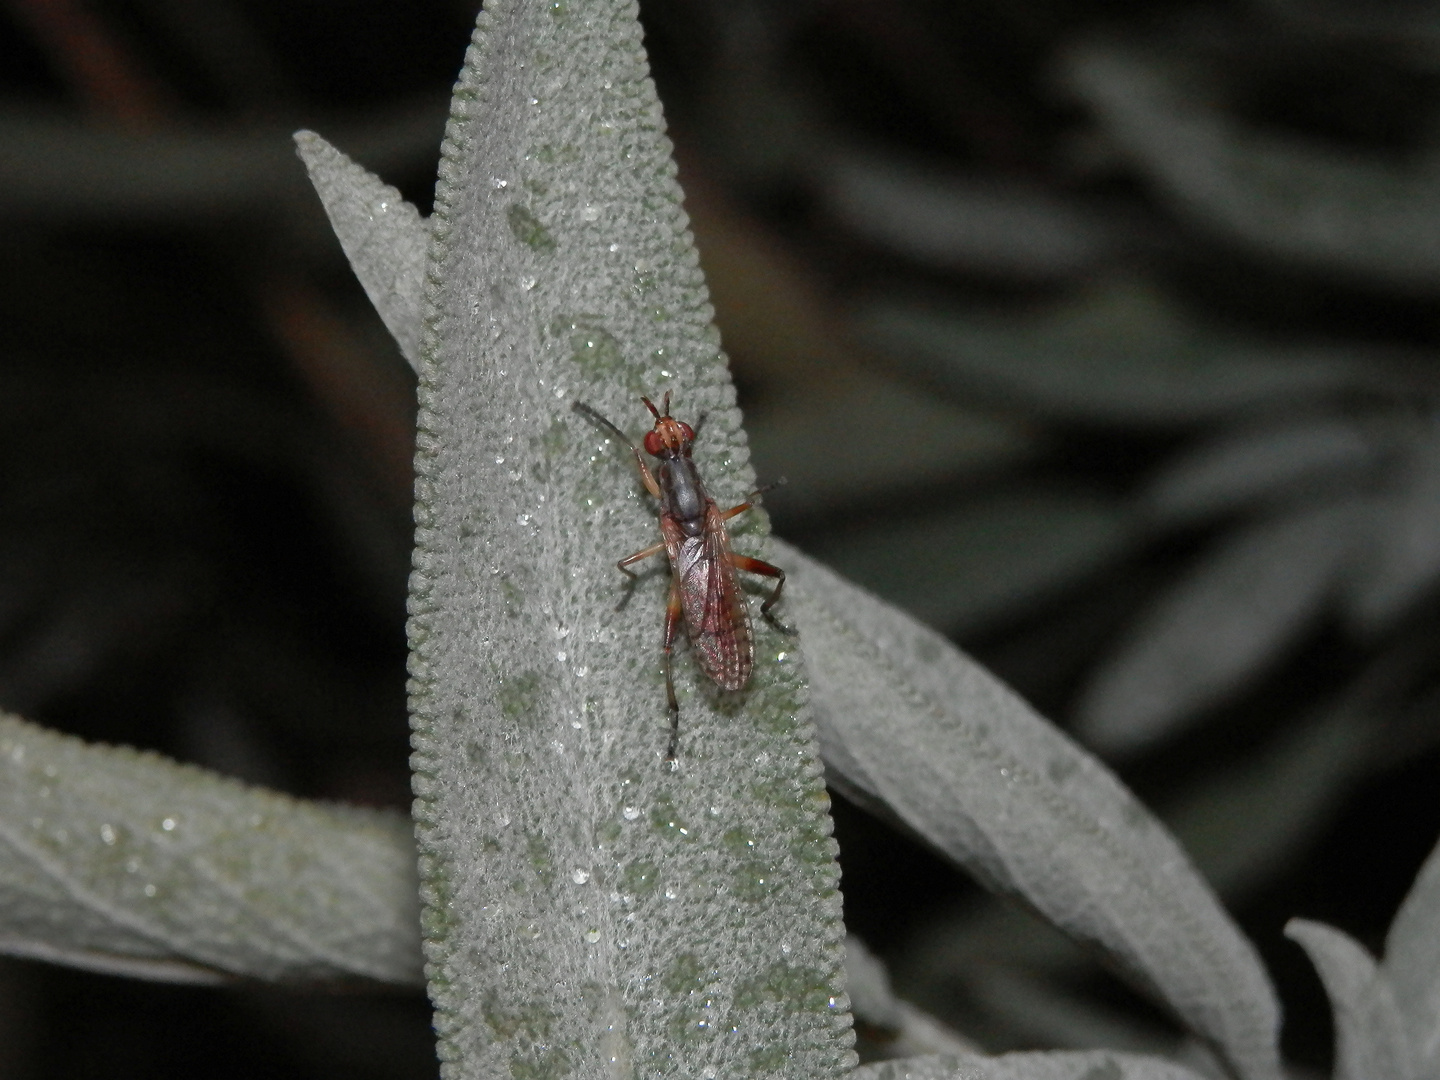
{"x":580,"y":877}
{"x":575,"y":724}
{"x":785,"y":948}
{"x":630,"y":813}
{"x":614,"y":248}
{"x":499,"y":459}
{"x":497,"y":183}
{"x":527,"y":283}
{"x":522,"y":519}
{"x":664,"y":374}
{"x":168,"y":824}
{"x":561,"y":656}
{"x":590,"y":213}
{"x":150,"y":890}
{"x":669,"y":894}
{"x":581,"y":672}
{"x":592,"y":936}
{"x":107,"y":833}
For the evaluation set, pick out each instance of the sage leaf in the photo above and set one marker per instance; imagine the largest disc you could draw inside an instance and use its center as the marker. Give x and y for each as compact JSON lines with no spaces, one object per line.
{"x":963,"y":566}
{"x":1118,"y":354}
{"x":1243,"y":467}
{"x":1370,"y":1038}
{"x":587,"y":908}
{"x":916,"y":726}
{"x":1043,"y":1065}
{"x":128,"y":863}
{"x":1412,"y":966}
{"x":1315,"y":205}
{"x":1243,"y":826}
{"x":1230,"y":616}
{"x":964,"y":223}
{"x":384,"y":237}
{"x":1401,"y":558}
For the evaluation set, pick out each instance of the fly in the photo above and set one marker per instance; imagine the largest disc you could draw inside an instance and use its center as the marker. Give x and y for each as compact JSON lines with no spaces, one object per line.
{"x":704,"y":588}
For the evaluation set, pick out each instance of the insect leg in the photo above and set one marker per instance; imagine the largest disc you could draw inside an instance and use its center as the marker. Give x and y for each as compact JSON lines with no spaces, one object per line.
{"x":673,"y":613}
{"x":765,"y":569}
{"x":624,"y":567}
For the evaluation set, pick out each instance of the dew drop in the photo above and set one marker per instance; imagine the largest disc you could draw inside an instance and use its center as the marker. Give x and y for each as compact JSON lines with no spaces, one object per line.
{"x":630,"y":813}
{"x":150,"y":890}
{"x":580,"y":877}
{"x":592,"y":936}
{"x":168,"y":824}
{"x":527,"y":283}
{"x":107,"y":834}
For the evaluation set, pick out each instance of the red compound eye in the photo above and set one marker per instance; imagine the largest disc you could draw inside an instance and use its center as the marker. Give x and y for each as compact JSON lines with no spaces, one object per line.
{"x":653,"y":445}
{"x":688,"y":431}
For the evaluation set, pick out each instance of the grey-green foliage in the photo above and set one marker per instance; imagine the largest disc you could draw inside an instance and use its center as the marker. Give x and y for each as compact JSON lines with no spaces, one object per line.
{"x":910,"y":722}
{"x":382,"y":235}
{"x":1010,"y":797}
{"x":916,"y":726}
{"x":1320,"y":207}
{"x":1061,"y":1065}
{"x":1412,"y":966}
{"x":1370,"y":1040}
{"x":1387,"y":1015}
{"x":588,"y":910}
{"x":128,"y":863}
{"x":1233,"y":613}
{"x":1119,"y":354}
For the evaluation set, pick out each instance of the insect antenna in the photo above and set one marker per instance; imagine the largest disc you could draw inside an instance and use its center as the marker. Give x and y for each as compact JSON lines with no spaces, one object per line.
{"x":586,"y":410}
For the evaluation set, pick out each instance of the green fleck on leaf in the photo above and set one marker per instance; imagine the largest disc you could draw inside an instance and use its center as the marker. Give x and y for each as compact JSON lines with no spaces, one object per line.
{"x":528,"y":229}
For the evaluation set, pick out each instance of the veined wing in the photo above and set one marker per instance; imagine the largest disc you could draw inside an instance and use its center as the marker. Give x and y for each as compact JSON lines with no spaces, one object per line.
{"x":717,"y":618}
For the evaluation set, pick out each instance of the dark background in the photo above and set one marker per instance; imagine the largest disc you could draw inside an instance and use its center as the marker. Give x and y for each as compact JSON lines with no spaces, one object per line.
{"x":205,"y":434}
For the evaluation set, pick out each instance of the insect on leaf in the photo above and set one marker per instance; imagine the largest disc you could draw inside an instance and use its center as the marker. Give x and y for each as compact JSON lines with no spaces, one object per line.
{"x":588,"y":909}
